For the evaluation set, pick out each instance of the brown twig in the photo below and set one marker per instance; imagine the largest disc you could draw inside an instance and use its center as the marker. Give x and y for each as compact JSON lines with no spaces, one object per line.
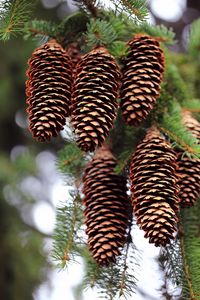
{"x":90,"y":5}
{"x":186,"y":266}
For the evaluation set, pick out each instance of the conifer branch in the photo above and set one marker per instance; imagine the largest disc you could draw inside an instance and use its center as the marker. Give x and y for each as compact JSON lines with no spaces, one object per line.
{"x":40,"y":29}
{"x":66,"y":236}
{"x":190,"y":244}
{"x":14,"y":14}
{"x":161,"y":32}
{"x":194,"y":40}
{"x":117,"y":279}
{"x":186,"y":269}
{"x":172,"y":125}
{"x":71,"y":160}
{"x":187,"y":143}
{"x":88,"y":6}
{"x":171,"y":261}
{"x":100,"y":32}
{"x":134,"y":8}
{"x":192,"y":105}
{"x":125,"y":267}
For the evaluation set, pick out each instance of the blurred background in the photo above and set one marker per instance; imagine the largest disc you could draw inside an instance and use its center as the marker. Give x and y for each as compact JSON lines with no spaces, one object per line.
{"x":31,"y":187}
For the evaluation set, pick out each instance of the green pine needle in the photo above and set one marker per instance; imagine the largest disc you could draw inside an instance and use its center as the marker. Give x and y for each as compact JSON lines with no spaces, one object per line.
{"x":71,"y":160}
{"x":194,"y":40}
{"x":190,"y":246}
{"x":165,"y":34}
{"x":68,"y":234}
{"x":192,"y":105}
{"x":100,"y":32}
{"x":136,"y":9}
{"x":40,"y":29}
{"x":14,"y":14}
{"x":174,"y":128}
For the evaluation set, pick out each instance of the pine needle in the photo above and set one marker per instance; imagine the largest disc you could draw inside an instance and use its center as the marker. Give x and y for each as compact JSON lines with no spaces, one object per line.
{"x":14,"y":14}
{"x":67,"y":237}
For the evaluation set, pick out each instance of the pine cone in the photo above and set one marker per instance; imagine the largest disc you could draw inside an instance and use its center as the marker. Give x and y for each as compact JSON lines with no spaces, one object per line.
{"x":142,"y":75}
{"x":107,"y":209}
{"x":94,"y":98}
{"x":189,"y":168}
{"x":154,"y":188}
{"x":192,"y":124}
{"x":48,"y":90}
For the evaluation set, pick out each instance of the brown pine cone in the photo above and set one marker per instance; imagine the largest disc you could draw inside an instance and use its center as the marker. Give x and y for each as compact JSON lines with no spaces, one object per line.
{"x":107,"y":207}
{"x":48,"y":89}
{"x":189,"y":168}
{"x":141,"y":79}
{"x":94,"y":98}
{"x":189,"y":179}
{"x":154,"y":188}
{"x":192,"y":124}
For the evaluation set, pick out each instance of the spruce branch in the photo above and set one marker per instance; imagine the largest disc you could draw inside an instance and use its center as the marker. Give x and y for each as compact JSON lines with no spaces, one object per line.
{"x":190,"y":245}
{"x":66,"y":235}
{"x":90,"y":6}
{"x":186,"y":270}
{"x":161,"y":32}
{"x":174,"y":84}
{"x":117,"y":280}
{"x":40,"y":29}
{"x":136,"y":9}
{"x":14,"y":14}
{"x":171,"y":263}
{"x":174,"y":128}
{"x":100,"y":32}
{"x":128,"y":280}
{"x":192,"y":105}
{"x":194,"y":40}
{"x":71,"y":160}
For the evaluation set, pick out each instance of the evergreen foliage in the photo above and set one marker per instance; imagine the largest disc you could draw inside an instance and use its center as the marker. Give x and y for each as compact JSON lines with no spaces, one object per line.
{"x":100,"y":32}
{"x":39,"y":29}
{"x":117,"y":280}
{"x":90,"y":27}
{"x":67,"y":236}
{"x":71,"y":160}
{"x":133,"y":8}
{"x":14,"y":14}
{"x":193,"y":44}
{"x":190,"y":245}
{"x":174,"y":128}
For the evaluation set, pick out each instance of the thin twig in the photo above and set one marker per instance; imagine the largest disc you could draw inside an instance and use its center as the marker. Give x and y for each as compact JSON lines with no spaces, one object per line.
{"x":123,"y":280}
{"x":186,"y":266}
{"x":178,"y":140}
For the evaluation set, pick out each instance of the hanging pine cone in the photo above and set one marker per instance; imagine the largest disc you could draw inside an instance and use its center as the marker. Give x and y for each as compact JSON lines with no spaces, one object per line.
{"x":94,"y":98}
{"x":154,"y":188}
{"x":142,"y":75}
{"x":48,"y":89}
{"x":192,"y":124}
{"x":189,"y":168}
{"x":107,"y":209}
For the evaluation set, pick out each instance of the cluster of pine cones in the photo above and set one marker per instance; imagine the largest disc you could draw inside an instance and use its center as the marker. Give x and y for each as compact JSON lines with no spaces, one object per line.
{"x":162,"y":180}
{"x":61,"y":84}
